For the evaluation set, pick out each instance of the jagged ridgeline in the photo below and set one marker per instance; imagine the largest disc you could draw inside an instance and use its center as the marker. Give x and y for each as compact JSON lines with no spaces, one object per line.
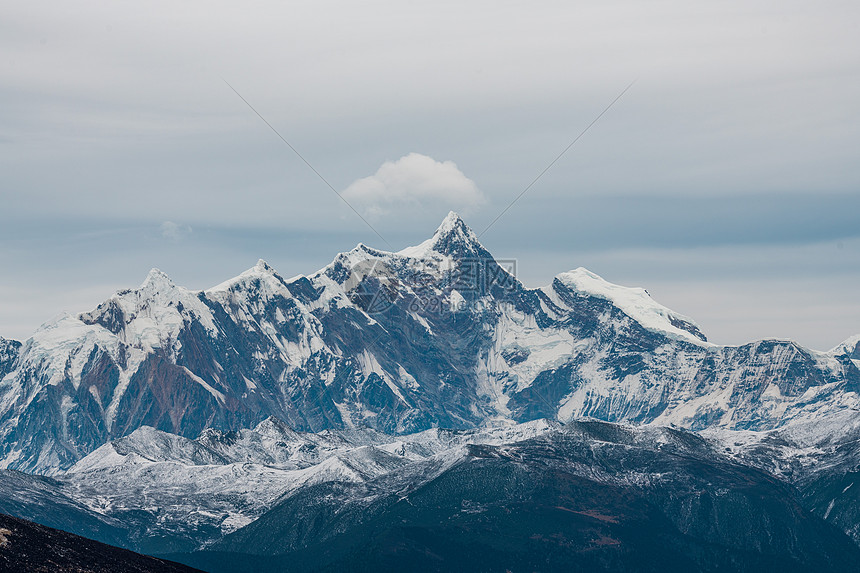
{"x":436,"y":335}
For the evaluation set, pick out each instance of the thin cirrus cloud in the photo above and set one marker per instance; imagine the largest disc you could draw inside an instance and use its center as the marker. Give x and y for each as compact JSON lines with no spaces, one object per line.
{"x":414,"y":179}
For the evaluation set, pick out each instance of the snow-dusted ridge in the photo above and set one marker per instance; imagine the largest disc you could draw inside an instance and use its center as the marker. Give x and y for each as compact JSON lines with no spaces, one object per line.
{"x":262,"y":270}
{"x":225,"y":481}
{"x":202,"y":489}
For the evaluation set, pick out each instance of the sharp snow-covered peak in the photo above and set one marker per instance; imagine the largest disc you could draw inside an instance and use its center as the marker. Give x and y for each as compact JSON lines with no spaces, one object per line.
{"x":452,"y":241}
{"x":349,"y":268}
{"x":156,"y":290}
{"x":453,"y":238}
{"x":850,"y":346}
{"x":360,"y":252}
{"x":452,"y":223}
{"x":636,"y":303}
{"x":156,"y":279}
{"x":151,"y":314}
{"x":262,"y":273}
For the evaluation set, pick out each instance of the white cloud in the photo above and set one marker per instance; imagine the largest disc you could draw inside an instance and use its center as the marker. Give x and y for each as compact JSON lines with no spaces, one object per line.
{"x":174,"y":231}
{"x":414,"y":178}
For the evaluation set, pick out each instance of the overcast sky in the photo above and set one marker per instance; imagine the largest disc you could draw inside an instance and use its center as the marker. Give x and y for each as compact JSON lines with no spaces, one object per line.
{"x":726,"y":180}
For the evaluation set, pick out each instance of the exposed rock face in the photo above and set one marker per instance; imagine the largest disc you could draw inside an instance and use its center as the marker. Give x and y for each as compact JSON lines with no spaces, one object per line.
{"x":437,"y":335}
{"x":8,"y":354}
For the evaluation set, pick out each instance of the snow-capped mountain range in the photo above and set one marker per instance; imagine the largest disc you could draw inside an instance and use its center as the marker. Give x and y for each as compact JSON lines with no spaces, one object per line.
{"x":427,"y":395}
{"x":437,"y":335}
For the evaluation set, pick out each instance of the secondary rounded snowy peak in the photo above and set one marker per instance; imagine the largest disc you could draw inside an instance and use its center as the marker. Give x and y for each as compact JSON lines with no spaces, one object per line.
{"x":635,"y":303}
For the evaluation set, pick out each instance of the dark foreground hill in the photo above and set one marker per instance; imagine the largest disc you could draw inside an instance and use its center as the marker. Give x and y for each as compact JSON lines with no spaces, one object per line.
{"x":26,"y":547}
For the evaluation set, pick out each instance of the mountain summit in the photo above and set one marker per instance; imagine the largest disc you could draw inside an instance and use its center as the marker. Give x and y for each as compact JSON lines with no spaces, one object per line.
{"x":453,"y":238}
{"x":436,"y":335}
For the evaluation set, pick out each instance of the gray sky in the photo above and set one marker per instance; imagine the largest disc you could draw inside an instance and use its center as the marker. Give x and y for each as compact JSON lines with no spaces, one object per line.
{"x":726,"y":181}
